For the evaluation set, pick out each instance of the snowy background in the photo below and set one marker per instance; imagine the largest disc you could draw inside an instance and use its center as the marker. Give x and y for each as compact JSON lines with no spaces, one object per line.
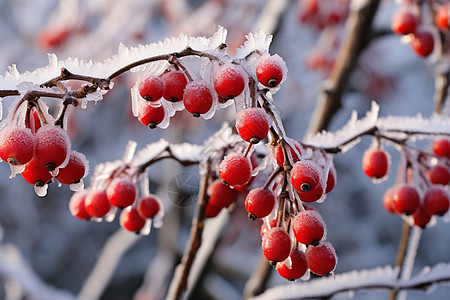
{"x":45,"y":253}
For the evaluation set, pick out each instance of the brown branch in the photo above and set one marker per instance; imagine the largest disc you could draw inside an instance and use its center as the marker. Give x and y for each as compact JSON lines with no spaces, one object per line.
{"x":179,"y":282}
{"x":358,"y":25}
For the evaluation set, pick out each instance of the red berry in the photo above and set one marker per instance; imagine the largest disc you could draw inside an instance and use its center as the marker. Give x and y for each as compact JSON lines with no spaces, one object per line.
{"x":131,"y":221}
{"x":298,"y":266}
{"x":388,"y":200}
{"x":321,"y":259}
{"x":35,"y":121}
{"x":309,"y":9}
{"x":436,"y":201}
{"x":148,"y":207}
{"x":252,"y":124}
{"x":220,"y":194}
{"x":235,"y":169}
{"x":36,"y":174}
{"x":259,"y":203}
{"x":441,"y":147}
{"x":404,"y":21}
{"x":152,"y":88}
{"x":96,"y":203}
{"x":74,"y":170}
{"x":175,"y":82}
{"x":52,"y":37}
{"x":121,"y":192}
{"x":276,"y":244}
{"x":150,"y":115}
{"x":308,"y":227}
{"x":212,"y":211}
{"x":269,"y":70}
{"x":305,"y":177}
{"x":439,"y":174}
{"x":442,"y":18}
{"x":16,"y":145}
{"x":229,"y":81}
{"x":420,"y":217}
{"x":423,"y":42}
{"x":197,"y":97}
{"x":76,"y":205}
{"x":331,"y":180}
{"x":279,"y":154}
{"x":375,"y":163}
{"x":406,"y":199}
{"x":52,"y":146}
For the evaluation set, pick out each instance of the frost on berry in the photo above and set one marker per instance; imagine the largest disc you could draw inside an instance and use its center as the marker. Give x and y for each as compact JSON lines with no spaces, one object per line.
{"x":276,"y":244}
{"x":76,"y":205}
{"x":175,"y":82}
{"x":36,"y":173}
{"x":306,"y":179}
{"x":308,"y":227}
{"x":149,"y":114}
{"x":131,"y":220}
{"x":96,"y":203}
{"x":259,"y":203}
{"x":406,"y":199}
{"x":252,"y":124}
{"x":75,"y":169}
{"x":16,"y":145}
{"x":297,"y":267}
{"x":229,"y":81}
{"x":52,"y":147}
{"x":235,"y":169}
{"x":375,"y":163}
{"x":321,"y":259}
{"x":148,"y":206}
{"x":436,"y":201}
{"x":152,"y":88}
{"x":121,"y":192}
{"x":220,"y":194}
{"x":198,"y":97}
{"x":271,"y":70}
{"x":279,"y":153}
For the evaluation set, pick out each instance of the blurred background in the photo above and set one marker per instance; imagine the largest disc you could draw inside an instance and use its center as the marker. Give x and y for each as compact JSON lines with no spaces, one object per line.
{"x":46,"y":253}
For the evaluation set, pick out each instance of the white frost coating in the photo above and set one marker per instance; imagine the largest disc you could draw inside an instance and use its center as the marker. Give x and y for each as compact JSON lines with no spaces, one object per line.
{"x":16,"y":169}
{"x":76,"y":187}
{"x":130,"y":149}
{"x":437,"y":124}
{"x":327,"y":285}
{"x":353,"y":128}
{"x":125,"y":56}
{"x":255,"y":41}
{"x":149,"y":152}
{"x":41,"y":191}
{"x":186,"y":151}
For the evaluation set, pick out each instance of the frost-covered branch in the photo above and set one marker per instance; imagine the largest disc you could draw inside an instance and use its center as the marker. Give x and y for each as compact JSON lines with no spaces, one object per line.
{"x":379,"y":278}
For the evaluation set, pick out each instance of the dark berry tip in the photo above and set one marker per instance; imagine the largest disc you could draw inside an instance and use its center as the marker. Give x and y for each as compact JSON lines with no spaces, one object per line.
{"x":252,"y":217}
{"x":152,"y":125}
{"x":255,"y":140}
{"x":50,"y":167}
{"x":39,"y":183}
{"x":12,"y":161}
{"x":272,"y":82}
{"x":148,"y":98}
{"x":196,"y":115}
{"x":305,"y":187}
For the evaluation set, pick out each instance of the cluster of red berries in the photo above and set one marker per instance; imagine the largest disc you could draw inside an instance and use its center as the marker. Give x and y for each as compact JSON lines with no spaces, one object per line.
{"x":41,"y":152}
{"x":418,"y":200}
{"x":407,"y":22}
{"x":122,"y":193}
{"x":197,"y":95}
{"x":323,"y":13}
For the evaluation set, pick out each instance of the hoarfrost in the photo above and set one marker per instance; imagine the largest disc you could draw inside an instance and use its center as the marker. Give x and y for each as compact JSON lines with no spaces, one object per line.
{"x":76,"y":187}
{"x":41,"y":191}
{"x":259,"y":41}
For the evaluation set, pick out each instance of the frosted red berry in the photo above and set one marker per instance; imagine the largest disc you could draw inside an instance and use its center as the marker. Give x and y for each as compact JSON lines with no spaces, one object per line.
{"x":279,"y":153}
{"x":436,"y":201}
{"x":321,"y":259}
{"x":298,"y":266}
{"x":406,"y":199}
{"x":259,"y":203}
{"x":121,"y":192}
{"x":131,"y":220}
{"x":308,"y":227}
{"x":439,"y":174}
{"x":35,"y":121}
{"x":276,"y":244}
{"x":331,"y":180}
{"x":252,"y":124}
{"x":442,"y":18}
{"x":52,"y":146}
{"x":197,"y":98}
{"x":388,"y":200}
{"x":420,"y":217}
{"x":220,"y":194}
{"x":16,"y":145}
{"x":441,"y":147}
{"x":269,"y":70}
{"x":375,"y":163}
{"x":305,"y":178}
{"x":76,"y":205}
{"x":148,"y":207}
{"x":404,"y":21}
{"x":149,"y":115}
{"x":264,"y":229}
{"x":96,"y":203}
{"x":229,"y":81}
{"x":175,"y":83}
{"x":74,"y":170}
{"x":36,"y":173}
{"x":152,"y":88}
{"x":235,"y":169}
{"x":422,"y":42}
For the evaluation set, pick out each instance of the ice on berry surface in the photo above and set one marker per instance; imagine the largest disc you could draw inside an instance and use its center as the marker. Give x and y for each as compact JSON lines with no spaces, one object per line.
{"x":16,"y":169}
{"x":41,"y":191}
{"x":76,"y":187}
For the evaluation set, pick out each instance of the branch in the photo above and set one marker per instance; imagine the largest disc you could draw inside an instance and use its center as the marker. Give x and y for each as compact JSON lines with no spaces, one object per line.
{"x":180,"y":279}
{"x":358,"y":28}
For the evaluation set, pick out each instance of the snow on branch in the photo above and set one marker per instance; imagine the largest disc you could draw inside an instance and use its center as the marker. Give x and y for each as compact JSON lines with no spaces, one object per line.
{"x":392,"y":126}
{"x":378,"y":278}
